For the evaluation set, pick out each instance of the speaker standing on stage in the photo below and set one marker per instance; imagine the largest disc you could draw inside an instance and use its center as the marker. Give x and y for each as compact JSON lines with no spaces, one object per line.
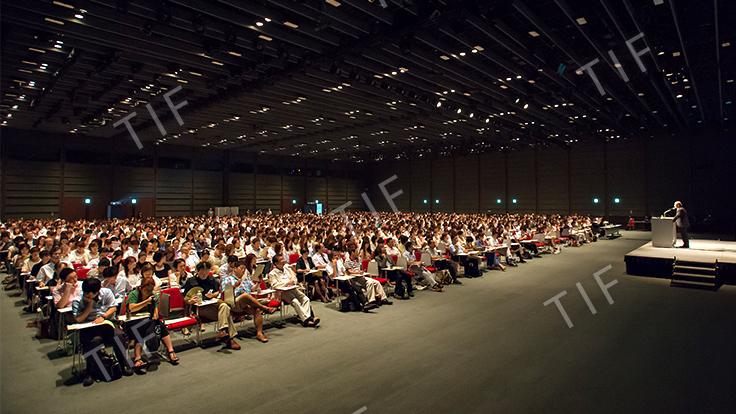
{"x":682,"y":223}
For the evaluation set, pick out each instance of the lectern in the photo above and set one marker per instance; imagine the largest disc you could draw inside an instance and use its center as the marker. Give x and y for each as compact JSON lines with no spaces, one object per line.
{"x":663,"y":232}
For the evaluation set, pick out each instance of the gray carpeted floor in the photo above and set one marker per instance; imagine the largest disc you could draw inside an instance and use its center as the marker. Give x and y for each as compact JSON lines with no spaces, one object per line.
{"x":487,"y":346}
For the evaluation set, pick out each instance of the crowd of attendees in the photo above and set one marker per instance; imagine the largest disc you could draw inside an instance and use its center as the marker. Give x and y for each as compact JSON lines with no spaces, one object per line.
{"x":245,"y":267}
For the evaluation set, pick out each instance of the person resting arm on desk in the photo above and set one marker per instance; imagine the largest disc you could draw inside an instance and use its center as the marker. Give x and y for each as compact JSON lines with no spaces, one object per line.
{"x":283,"y":278}
{"x":96,"y":305}
{"x":218,"y":311}
{"x":143,"y":300}
{"x":68,"y":289}
{"x":242,"y":285}
{"x":118,"y":285}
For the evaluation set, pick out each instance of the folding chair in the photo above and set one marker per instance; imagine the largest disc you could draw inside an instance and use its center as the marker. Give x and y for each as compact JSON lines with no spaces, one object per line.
{"x":172,"y":301}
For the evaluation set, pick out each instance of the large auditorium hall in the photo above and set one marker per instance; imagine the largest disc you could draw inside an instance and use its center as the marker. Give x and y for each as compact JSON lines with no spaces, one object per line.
{"x":367,"y":206}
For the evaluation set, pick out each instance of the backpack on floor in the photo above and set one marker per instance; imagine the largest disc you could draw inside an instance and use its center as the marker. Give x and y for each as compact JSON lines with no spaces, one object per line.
{"x":112,"y":370}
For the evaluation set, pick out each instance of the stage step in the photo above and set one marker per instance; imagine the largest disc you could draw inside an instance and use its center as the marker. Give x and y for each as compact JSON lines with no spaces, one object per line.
{"x":695,"y":275}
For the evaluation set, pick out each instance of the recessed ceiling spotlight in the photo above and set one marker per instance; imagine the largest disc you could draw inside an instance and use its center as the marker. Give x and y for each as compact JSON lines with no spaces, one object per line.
{"x":532,"y":33}
{"x":439,"y":104}
{"x":259,"y":24}
{"x":443,"y":57}
{"x":581,"y":20}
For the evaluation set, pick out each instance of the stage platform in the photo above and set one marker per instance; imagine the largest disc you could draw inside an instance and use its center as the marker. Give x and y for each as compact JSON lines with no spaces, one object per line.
{"x":657,"y":261}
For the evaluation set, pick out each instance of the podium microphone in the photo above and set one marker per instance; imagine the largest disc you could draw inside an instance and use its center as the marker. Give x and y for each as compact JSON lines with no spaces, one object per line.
{"x":667,"y":211}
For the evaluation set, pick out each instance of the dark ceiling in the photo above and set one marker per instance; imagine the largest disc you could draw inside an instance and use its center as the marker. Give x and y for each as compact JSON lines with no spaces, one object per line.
{"x":367,"y":79}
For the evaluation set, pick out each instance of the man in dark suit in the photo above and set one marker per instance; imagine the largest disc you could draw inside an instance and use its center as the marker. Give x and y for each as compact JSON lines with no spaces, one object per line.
{"x":682,"y":223}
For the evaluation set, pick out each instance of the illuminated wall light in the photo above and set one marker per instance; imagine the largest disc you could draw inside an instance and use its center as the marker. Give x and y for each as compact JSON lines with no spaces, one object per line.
{"x":437,"y":201}
{"x":595,"y":200}
{"x":293,"y":201}
{"x":133,"y":201}
{"x":498,"y":201}
{"x":616,"y":200}
{"x":514,"y":201}
{"x":425,"y":201}
{"x":87,"y":201}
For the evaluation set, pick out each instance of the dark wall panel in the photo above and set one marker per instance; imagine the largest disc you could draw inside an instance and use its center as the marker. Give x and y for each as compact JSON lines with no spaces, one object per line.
{"x":493,"y":182}
{"x":133,"y":182}
{"x":466,"y":184}
{"x":442,"y":185}
{"x":553,"y":192}
{"x":207,"y":191}
{"x":626,"y":179}
{"x":268,"y":193}
{"x":587,"y":178}
{"x":32,"y":189}
{"x":522,"y":182}
{"x":420,"y":188}
{"x":336,"y":193}
{"x":174,"y":192}
{"x":669,"y":173}
{"x":242,"y":191}
{"x":355,"y":197}
{"x":294,"y":190}
{"x":317,"y":190}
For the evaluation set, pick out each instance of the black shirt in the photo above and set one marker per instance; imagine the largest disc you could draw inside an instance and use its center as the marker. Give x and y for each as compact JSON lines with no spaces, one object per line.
{"x":207,"y":285}
{"x":36,"y":268}
{"x":163,"y":273}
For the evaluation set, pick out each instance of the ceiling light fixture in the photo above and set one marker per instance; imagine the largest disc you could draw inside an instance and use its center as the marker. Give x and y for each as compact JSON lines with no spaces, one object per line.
{"x":532,"y":33}
{"x":54,"y":21}
{"x":290,"y":24}
{"x":62,"y":4}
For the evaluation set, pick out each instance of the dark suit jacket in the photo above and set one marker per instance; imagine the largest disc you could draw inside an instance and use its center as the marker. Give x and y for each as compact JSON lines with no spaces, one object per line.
{"x":680,"y":218}
{"x":301,"y":265}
